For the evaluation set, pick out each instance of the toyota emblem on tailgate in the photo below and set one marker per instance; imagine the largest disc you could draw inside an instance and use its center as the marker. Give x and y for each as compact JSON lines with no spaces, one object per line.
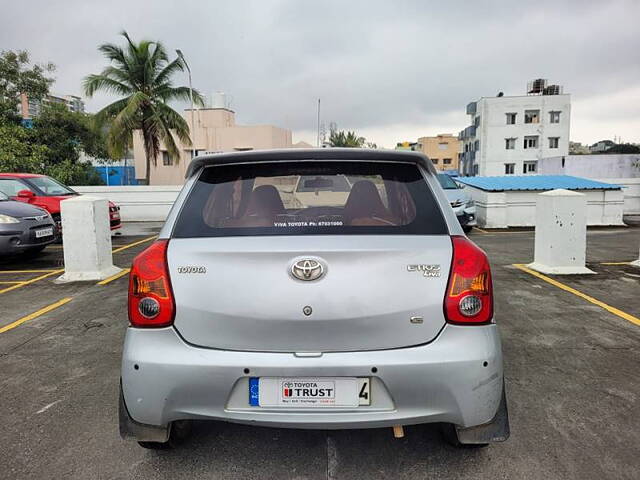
{"x":307,"y":269}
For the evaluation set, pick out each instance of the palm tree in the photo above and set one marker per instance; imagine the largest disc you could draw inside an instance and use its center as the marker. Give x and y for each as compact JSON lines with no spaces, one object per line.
{"x":141,"y":73}
{"x":338,"y":138}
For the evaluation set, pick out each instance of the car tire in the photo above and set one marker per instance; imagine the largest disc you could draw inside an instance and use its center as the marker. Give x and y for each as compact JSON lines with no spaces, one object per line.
{"x":467,"y":229}
{"x":179,"y":433}
{"x":450,"y":436}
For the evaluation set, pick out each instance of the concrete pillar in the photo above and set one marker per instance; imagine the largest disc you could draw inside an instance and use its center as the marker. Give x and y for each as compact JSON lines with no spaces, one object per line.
{"x":637,"y":262}
{"x":561,"y":233}
{"x":87,"y":239}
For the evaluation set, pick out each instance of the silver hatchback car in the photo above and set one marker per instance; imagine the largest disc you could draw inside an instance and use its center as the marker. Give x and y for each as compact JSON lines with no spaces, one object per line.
{"x":369,"y":309}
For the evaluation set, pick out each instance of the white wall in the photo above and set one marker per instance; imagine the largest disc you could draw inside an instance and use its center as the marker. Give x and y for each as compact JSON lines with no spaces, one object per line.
{"x":592,"y":166}
{"x":518,"y":208}
{"x":493,"y":131}
{"x":620,"y":169}
{"x":138,"y":203}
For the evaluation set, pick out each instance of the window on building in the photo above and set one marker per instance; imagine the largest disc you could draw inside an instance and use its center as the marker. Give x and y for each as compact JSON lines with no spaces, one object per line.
{"x":476,"y":145}
{"x":531,"y":141}
{"x":510,"y":143}
{"x":532,"y":116}
{"x":476,"y":121}
{"x":166,"y":159}
{"x":443,"y":146}
{"x":446,"y":161}
{"x":530,"y":166}
{"x":511,"y":118}
{"x":434,"y":161}
{"x":509,"y":168}
{"x":475,"y":169}
{"x":554,"y":117}
{"x":554,"y":142}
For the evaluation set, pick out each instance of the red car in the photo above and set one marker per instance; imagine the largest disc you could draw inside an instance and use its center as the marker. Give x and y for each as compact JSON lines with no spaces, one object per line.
{"x":45,"y":192}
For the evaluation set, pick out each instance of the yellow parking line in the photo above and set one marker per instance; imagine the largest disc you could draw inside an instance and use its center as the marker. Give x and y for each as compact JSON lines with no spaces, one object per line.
{"x":615,"y":263}
{"x":33,"y":280}
{"x":26,"y":271}
{"x":578,"y":293}
{"x":120,"y":249}
{"x":480,"y":230}
{"x":10,"y":283}
{"x":114,"y":277}
{"x":35,"y":314}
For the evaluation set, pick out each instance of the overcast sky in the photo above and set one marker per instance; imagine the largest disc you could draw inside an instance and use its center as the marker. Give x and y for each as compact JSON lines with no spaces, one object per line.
{"x":391,"y":70}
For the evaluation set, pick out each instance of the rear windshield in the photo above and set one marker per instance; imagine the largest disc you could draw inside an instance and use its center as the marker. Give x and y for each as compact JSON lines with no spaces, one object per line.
{"x":310,"y":198}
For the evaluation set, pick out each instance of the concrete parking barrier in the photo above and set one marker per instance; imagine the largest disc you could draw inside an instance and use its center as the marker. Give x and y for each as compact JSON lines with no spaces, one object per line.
{"x":87,"y":239}
{"x":561,"y":233}
{"x":637,"y":262}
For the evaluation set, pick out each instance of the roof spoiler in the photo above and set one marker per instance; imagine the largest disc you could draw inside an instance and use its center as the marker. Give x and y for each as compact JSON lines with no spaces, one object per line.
{"x":309,"y":154}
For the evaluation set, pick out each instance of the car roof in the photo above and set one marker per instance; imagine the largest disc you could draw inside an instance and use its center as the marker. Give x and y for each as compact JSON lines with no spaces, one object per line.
{"x":21,"y":175}
{"x":303,"y":154}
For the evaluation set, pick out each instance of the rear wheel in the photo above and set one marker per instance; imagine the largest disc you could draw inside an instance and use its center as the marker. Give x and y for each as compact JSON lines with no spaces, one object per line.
{"x":450,"y":436}
{"x":179,"y":433}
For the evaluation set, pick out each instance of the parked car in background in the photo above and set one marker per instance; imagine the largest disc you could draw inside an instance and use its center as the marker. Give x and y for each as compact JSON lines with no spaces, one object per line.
{"x":23,"y":228}
{"x":370,"y":311}
{"x":460,"y":201}
{"x":46,"y":192}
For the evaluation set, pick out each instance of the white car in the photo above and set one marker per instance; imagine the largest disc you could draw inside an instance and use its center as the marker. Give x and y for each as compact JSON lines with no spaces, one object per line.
{"x":461,"y":202}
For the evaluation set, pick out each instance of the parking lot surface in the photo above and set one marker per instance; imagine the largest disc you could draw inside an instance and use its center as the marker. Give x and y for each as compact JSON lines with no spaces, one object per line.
{"x":571,"y":365}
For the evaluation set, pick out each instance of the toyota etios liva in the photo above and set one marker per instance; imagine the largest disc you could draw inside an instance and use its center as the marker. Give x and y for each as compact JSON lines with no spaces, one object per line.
{"x":328,"y":288}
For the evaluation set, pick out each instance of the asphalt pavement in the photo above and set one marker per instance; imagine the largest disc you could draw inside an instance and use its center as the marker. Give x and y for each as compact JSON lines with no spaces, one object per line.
{"x":571,"y":370}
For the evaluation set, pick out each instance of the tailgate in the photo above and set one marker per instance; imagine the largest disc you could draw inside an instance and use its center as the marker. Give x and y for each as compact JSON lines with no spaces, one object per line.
{"x":368,"y":298}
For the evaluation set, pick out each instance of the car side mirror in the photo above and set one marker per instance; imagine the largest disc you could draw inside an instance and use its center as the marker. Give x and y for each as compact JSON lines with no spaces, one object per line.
{"x":28,"y":194}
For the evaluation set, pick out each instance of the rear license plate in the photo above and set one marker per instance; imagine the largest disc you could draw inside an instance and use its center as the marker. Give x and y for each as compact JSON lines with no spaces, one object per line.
{"x":315,"y":392}
{"x":44,"y":232}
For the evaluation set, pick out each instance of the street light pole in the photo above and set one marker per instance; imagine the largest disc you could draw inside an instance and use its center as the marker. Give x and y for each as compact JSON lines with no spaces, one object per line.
{"x":193,"y":113}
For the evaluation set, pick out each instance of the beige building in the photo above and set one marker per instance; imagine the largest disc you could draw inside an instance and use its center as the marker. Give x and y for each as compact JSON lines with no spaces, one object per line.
{"x":443,"y":150}
{"x":215,"y":131}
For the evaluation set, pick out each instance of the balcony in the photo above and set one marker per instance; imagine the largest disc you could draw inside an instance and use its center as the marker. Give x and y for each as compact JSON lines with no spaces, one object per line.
{"x":471,"y":108}
{"x":468,"y":132}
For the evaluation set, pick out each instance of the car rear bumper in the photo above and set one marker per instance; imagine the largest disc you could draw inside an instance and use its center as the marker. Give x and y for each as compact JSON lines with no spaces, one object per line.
{"x":457,"y":378}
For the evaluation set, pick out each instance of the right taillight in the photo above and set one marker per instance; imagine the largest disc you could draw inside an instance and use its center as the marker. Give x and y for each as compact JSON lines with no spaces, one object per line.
{"x":469,"y":297}
{"x":150,"y":297}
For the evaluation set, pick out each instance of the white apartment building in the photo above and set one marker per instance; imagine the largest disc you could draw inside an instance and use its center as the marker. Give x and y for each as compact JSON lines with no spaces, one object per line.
{"x":510,"y":134}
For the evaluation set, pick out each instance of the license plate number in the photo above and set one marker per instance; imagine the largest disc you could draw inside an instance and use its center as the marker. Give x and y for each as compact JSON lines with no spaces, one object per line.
{"x":44,"y":232}
{"x":309,"y":392}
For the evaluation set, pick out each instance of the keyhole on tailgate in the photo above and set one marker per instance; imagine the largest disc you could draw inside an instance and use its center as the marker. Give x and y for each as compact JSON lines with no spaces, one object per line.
{"x":307,"y":310}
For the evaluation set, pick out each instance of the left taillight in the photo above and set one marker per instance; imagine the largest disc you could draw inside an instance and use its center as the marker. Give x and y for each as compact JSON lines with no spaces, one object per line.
{"x":469,"y":299}
{"x":151,"y":303}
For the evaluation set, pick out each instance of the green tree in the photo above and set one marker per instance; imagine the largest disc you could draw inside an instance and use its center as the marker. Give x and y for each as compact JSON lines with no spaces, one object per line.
{"x":340,"y":138}
{"x":623,"y":148}
{"x":141,"y":73}
{"x":18,"y":152}
{"x":17,"y":76}
{"x":53,"y":146}
{"x":69,"y":134}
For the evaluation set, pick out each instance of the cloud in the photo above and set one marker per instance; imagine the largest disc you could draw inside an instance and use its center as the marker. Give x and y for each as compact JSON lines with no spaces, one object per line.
{"x":389,"y":70}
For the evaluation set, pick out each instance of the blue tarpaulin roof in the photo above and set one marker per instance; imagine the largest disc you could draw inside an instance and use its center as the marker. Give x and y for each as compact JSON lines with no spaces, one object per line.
{"x":535,"y":182}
